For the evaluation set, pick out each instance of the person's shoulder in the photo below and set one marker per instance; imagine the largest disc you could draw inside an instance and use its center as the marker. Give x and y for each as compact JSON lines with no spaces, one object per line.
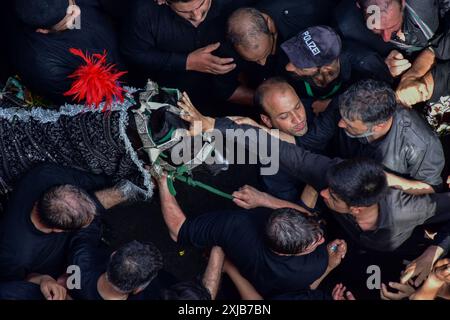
{"x":142,"y":9}
{"x":399,"y":202}
{"x":419,"y":131}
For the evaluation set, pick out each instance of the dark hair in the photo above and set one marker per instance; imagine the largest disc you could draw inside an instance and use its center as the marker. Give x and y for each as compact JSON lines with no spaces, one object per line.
{"x":134,"y":266}
{"x":372,"y":102}
{"x":383,"y":4}
{"x":262,"y":90}
{"x":188,"y":290}
{"x":41,"y":13}
{"x":288,"y":231}
{"x":66,"y":207}
{"x":358,"y":182}
{"x":245,"y":25}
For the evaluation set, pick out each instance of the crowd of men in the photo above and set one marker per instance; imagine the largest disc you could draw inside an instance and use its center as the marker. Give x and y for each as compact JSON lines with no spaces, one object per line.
{"x":359,"y":91}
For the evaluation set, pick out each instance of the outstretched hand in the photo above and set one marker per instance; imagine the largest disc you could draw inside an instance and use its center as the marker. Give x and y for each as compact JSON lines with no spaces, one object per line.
{"x":198,"y":122}
{"x":421,"y":267}
{"x":248,"y":197}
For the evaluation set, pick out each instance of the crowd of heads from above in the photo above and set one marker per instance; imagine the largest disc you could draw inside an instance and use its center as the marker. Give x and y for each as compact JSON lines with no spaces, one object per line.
{"x":351,"y":97}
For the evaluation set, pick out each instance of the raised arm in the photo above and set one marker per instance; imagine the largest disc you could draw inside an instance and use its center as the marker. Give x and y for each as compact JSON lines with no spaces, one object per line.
{"x":172,"y":213}
{"x":213,"y":272}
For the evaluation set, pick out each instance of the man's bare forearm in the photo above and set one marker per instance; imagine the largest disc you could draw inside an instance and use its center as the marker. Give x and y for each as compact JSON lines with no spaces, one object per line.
{"x":213,"y":272}
{"x":245,"y":288}
{"x":275,"y":203}
{"x":316,"y":283}
{"x":422,"y":65}
{"x":409,"y":186}
{"x":172,"y":213}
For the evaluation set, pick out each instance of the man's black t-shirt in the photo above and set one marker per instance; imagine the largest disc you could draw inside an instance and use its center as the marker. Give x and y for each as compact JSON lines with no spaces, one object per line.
{"x":409,"y":149}
{"x":241,"y":235}
{"x":23,"y":248}
{"x":91,"y":255}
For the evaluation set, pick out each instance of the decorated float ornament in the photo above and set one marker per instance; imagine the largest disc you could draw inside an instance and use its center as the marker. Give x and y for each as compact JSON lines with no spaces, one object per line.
{"x":96,"y":81}
{"x":156,"y":116}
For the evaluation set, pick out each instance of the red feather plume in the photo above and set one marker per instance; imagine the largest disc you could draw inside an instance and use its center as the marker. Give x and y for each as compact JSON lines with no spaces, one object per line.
{"x":96,"y":81}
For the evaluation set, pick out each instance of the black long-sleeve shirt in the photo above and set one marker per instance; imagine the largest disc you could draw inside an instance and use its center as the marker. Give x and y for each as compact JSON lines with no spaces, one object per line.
{"x":157,"y":41}
{"x":295,"y":160}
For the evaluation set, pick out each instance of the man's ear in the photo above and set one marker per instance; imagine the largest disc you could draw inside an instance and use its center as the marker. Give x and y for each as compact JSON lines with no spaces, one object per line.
{"x":354,"y":211}
{"x":267,"y":122}
{"x":379,"y":127}
{"x":270,"y":23}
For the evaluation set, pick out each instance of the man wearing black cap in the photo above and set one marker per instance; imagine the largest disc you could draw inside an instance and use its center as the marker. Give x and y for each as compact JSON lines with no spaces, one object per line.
{"x":43,"y":35}
{"x":324,"y":67}
{"x":255,"y":35}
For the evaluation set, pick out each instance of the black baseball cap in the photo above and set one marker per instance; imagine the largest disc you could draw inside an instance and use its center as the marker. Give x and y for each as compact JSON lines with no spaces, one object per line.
{"x":313,"y":47}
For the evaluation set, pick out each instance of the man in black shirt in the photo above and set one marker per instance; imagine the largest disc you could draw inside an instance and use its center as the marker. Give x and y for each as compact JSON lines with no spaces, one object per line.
{"x":257,"y":33}
{"x":175,"y":44}
{"x":282,"y":109}
{"x":48,"y":205}
{"x":374,"y":126}
{"x":324,"y":67}
{"x":130,"y":273}
{"x":277,"y":252}
{"x":43,"y":35}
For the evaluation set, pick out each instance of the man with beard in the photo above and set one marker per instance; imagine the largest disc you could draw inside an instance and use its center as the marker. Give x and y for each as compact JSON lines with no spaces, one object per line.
{"x":281,"y":108}
{"x":325,"y":67}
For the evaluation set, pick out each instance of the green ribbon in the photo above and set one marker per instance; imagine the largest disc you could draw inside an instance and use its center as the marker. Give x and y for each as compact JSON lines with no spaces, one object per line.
{"x":310,"y":93}
{"x":180,"y":175}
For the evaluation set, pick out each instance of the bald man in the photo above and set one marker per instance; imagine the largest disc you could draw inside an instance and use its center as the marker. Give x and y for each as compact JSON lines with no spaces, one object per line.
{"x":281,"y":108}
